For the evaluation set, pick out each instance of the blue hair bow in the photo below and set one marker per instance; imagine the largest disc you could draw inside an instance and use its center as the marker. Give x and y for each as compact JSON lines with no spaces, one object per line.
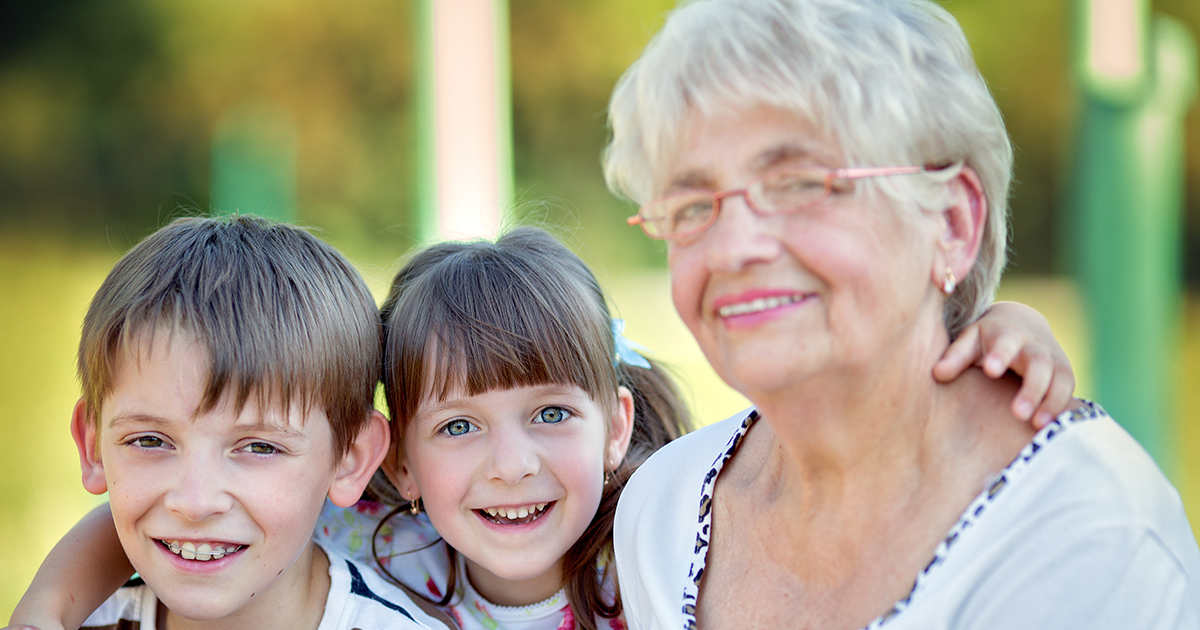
{"x":627,"y":351}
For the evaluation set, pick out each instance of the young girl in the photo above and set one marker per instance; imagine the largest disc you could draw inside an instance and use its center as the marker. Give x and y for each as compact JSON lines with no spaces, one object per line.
{"x":518,"y":411}
{"x":522,"y":412}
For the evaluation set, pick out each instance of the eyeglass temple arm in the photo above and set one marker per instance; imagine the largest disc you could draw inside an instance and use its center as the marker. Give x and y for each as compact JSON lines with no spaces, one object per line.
{"x":876,"y":171}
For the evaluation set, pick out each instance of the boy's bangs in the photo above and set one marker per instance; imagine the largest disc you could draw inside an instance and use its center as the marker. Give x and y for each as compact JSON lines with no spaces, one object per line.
{"x":256,"y":375}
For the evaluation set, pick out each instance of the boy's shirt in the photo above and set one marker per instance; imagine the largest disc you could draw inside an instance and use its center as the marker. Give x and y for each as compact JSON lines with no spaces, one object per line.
{"x":359,"y":599}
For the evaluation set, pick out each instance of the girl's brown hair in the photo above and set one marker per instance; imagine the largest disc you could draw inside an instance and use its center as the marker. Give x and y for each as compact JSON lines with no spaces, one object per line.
{"x":520,"y":311}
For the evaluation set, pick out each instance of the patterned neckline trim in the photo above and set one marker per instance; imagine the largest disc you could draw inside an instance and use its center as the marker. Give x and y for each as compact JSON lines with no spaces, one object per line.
{"x":553,"y":604}
{"x":971,"y":515}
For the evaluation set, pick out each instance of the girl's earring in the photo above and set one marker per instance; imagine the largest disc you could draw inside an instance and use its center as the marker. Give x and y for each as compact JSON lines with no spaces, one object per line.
{"x":948,"y":282}
{"x":607,"y":477}
{"x":414,"y":505}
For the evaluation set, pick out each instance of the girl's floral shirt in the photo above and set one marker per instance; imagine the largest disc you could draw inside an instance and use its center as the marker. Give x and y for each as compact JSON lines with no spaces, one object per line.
{"x":412,"y":552}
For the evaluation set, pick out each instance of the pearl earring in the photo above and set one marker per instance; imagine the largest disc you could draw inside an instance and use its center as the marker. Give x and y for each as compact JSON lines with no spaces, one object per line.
{"x":948,"y":282}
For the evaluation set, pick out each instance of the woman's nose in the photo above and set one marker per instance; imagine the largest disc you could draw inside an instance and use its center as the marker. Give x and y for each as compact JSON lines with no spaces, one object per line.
{"x":739,"y":236}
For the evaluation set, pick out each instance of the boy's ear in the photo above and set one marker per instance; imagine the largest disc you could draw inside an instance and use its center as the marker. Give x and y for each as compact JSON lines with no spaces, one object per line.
{"x":356,"y":467}
{"x":83,"y":430}
{"x":620,"y":430}
{"x":963,"y":222}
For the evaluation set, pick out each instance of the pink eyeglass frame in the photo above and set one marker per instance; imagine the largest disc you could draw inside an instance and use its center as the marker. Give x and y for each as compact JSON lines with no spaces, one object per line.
{"x":831,"y":175}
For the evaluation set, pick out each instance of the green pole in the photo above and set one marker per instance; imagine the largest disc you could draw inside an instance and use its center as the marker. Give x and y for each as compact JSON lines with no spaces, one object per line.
{"x":504,"y":143}
{"x":1127,"y":205}
{"x":426,"y":122}
{"x":254,"y":163}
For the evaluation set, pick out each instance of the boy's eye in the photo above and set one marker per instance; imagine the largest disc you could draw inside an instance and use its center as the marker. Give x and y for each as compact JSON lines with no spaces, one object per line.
{"x":147,"y":441}
{"x":260,"y":448}
{"x":553,"y":415}
{"x":457,"y":427}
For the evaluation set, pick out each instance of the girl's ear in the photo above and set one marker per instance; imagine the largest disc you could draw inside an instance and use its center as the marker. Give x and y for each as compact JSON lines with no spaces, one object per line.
{"x":620,"y":430}
{"x":395,"y":468}
{"x":83,"y":430}
{"x":962,"y":226}
{"x":360,"y":462}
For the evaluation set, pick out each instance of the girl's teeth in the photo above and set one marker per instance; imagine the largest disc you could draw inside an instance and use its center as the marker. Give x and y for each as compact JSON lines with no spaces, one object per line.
{"x":513,"y":514}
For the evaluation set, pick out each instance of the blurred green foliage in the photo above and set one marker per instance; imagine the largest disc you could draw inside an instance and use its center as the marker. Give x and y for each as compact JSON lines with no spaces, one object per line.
{"x":107,"y":112}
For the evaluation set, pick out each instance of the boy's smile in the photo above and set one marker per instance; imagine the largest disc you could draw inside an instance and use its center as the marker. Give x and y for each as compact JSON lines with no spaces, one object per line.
{"x":215,"y":509}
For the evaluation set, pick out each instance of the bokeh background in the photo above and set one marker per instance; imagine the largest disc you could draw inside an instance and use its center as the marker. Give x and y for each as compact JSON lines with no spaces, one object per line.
{"x":110,"y":111}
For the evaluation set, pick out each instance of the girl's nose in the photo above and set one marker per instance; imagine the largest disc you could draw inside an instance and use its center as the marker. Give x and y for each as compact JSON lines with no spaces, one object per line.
{"x":199,"y":489}
{"x":514,"y":456}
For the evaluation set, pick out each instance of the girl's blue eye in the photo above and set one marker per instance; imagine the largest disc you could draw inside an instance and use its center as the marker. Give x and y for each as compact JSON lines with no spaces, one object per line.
{"x":458,"y":427}
{"x":553,"y":415}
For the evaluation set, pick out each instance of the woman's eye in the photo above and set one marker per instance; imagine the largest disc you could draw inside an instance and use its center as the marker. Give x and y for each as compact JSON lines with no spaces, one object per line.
{"x":691,"y":213}
{"x":553,"y":415}
{"x":147,"y":441}
{"x":458,"y":427}
{"x":260,"y":448}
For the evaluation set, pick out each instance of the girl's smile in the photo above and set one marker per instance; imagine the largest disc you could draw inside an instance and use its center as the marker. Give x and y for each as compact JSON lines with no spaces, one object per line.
{"x":511,"y":478}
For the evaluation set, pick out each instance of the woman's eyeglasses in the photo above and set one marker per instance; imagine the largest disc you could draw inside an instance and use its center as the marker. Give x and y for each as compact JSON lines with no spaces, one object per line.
{"x":781,"y":191}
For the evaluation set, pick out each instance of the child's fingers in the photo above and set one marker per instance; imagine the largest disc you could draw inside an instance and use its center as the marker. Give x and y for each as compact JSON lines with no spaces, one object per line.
{"x":961,"y":354}
{"x":1036,"y":369}
{"x":1058,"y":398}
{"x":1000,"y":351}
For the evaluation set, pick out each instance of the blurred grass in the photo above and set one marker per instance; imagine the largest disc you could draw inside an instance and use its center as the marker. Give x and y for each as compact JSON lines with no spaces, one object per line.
{"x":47,"y":285}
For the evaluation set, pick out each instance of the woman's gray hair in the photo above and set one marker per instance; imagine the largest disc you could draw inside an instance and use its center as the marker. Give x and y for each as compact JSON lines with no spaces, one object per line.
{"x":892,"y":81}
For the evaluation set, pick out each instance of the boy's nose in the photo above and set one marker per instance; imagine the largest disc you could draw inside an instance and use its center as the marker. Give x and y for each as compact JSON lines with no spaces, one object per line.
{"x":198,"y":490}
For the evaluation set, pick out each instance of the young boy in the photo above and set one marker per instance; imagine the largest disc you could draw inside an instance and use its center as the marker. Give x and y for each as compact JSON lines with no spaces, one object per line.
{"x":229,"y":368}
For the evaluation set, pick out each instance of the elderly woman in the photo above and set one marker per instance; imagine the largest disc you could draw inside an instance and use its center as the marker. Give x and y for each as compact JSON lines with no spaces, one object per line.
{"x":830,"y":177}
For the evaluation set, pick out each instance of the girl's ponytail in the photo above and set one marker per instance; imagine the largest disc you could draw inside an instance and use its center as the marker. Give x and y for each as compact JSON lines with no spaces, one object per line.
{"x":660,"y":416}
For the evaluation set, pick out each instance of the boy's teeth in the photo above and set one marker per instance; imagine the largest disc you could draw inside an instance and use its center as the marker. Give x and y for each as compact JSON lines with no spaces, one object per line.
{"x":756,"y":305}
{"x":202,"y":552}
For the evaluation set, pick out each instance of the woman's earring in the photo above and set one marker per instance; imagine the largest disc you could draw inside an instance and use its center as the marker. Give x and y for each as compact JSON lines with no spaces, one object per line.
{"x":414,"y":505}
{"x":607,"y":477}
{"x":948,"y":282}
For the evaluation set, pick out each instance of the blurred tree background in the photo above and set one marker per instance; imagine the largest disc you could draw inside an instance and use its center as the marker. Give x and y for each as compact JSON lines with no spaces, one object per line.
{"x":107,"y":117}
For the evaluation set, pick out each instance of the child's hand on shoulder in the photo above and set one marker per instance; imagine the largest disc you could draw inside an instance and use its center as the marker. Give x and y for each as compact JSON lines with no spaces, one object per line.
{"x":1012,"y":336}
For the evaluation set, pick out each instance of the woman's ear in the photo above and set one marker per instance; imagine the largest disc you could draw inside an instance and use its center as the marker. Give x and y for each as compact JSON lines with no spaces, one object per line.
{"x":620,"y":430}
{"x":962,"y":225}
{"x":84,"y":431}
{"x":355,"y":468}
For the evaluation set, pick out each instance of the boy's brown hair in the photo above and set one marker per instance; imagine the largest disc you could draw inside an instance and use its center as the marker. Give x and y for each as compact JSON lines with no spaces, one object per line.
{"x":283,"y":317}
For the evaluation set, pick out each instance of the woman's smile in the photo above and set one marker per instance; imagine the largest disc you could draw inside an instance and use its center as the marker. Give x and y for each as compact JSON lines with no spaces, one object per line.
{"x":751,"y":308}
